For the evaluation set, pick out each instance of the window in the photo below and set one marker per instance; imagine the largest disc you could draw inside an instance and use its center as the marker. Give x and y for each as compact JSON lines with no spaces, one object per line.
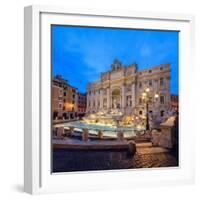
{"x":128,"y":88}
{"x":162,"y":113}
{"x":162,"y":99}
{"x":128,"y":100}
{"x":140,"y":85}
{"x":150,"y":71}
{"x":59,"y":98}
{"x":64,"y":94}
{"x":150,"y":83}
{"x":65,"y":115}
{"x":64,"y":100}
{"x":140,"y":112}
{"x":55,"y":114}
{"x":150,"y":99}
{"x":161,"y":81}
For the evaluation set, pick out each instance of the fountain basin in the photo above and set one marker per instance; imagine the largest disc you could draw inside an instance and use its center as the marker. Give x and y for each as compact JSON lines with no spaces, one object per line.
{"x":108,"y":130}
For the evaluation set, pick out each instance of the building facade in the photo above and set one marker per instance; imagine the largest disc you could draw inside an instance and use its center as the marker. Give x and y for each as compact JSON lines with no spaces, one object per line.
{"x":122,"y":87}
{"x":174,"y":102}
{"x":57,"y":100}
{"x":82,"y":100}
{"x":64,"y":99}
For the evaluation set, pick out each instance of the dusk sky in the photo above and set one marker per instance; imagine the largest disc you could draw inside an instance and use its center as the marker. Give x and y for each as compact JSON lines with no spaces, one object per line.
{"x":80,"y":54}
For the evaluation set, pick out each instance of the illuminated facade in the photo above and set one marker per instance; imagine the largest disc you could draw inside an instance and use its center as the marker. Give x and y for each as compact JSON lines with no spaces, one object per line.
{"x":121,"y":88}
{"x":64,"y":99}
{"x":174,"y":102}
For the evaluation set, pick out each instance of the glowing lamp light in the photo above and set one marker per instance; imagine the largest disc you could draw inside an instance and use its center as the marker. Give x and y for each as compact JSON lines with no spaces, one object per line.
{"x":68,"y":106}
{"x":144,"y":94}
{"x":156,"y":96}
{"x":147,"y":90}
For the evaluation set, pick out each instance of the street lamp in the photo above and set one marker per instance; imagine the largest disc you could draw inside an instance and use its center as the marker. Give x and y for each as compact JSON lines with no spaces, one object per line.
{"x":147,"y":96}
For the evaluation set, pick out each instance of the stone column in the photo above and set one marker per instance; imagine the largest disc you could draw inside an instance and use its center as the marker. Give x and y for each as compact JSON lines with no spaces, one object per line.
{"x":96,"y":102}
{"x":108,"y":98}
{"x":133,"y":95}
{"x":88,"y":100}
{"x":156,"y":85}
{"x":123,"y":97}
{"x":156,"y":90}
{"x":168,"y":91}
{"x":85,"y":134}
{"x":101,"y":99}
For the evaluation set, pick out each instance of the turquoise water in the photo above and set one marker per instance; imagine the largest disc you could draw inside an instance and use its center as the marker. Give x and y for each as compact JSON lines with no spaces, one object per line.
{"x":94,"y":128}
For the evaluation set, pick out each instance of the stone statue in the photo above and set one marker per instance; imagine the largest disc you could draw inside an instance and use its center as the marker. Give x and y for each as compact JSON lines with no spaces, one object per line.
{"x":114,"y":103}
{"x":116,"y":65}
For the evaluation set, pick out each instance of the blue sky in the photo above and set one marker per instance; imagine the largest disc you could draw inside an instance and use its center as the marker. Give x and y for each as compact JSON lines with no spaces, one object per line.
{"x":80,"y":54}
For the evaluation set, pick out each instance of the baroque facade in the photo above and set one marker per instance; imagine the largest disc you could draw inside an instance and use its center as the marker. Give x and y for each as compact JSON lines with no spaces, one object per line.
{"x":122,"y":87}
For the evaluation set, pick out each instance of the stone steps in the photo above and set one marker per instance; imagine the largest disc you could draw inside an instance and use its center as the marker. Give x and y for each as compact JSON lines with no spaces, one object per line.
{"x":142,"y":145}
{"x":151,"y":150}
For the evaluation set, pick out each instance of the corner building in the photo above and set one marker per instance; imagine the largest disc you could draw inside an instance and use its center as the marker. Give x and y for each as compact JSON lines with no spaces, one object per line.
{"x":64,"y":99}
{"x":122,"y":87}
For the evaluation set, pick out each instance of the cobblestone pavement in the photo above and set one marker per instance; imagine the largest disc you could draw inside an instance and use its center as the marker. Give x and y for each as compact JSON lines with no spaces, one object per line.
{"x":152,"y":157}
{"x":145,"y":157}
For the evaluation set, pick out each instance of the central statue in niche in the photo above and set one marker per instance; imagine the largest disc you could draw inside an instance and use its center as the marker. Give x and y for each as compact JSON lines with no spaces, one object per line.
{"x":116,"y":103}
{"x":116,"y":99}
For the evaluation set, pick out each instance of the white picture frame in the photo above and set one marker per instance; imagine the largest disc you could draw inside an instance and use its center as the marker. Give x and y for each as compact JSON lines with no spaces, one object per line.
{"x":37,"y":137}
